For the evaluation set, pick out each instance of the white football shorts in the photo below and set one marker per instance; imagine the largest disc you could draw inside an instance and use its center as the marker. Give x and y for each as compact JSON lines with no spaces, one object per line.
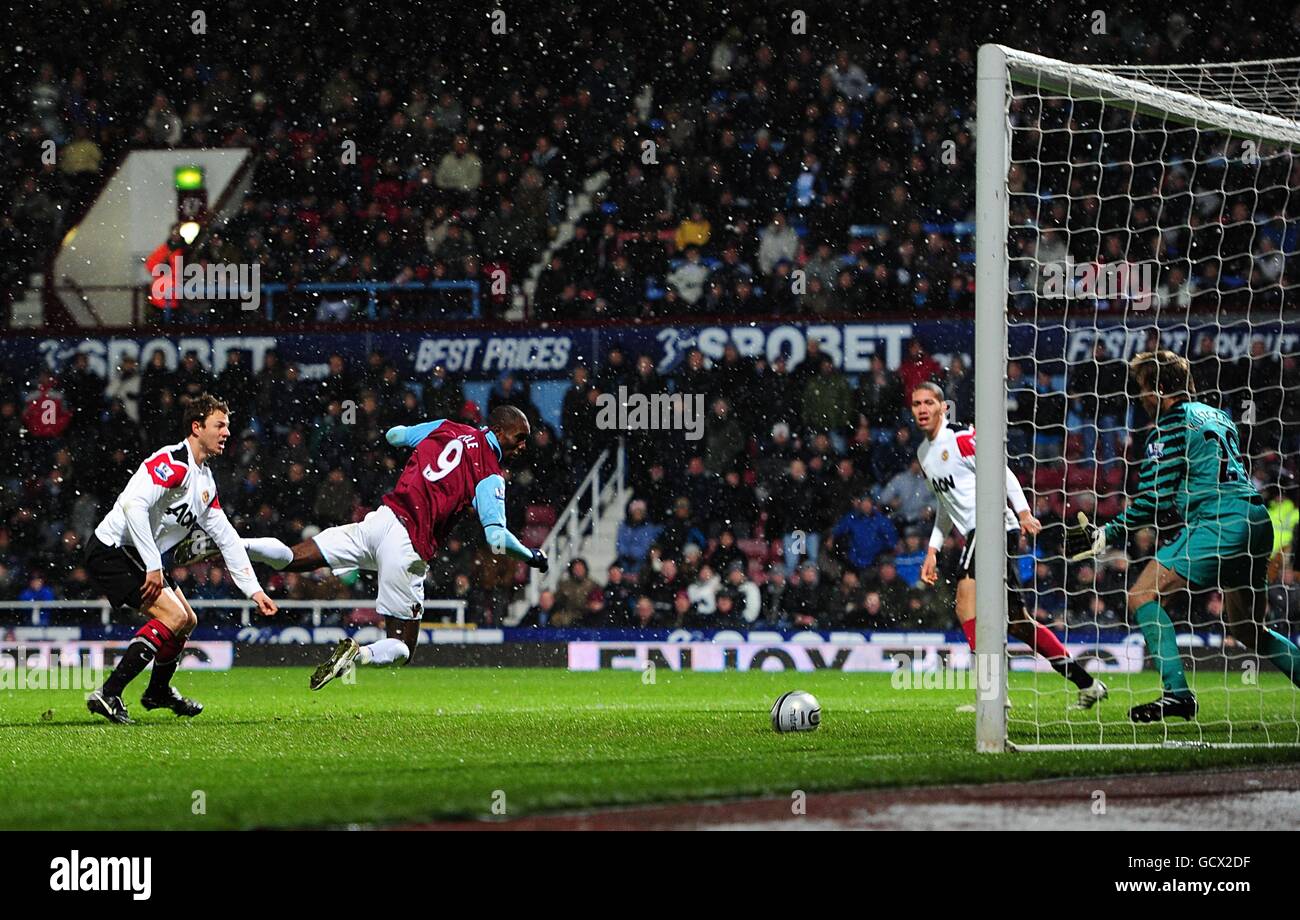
{"x":380,"y":543}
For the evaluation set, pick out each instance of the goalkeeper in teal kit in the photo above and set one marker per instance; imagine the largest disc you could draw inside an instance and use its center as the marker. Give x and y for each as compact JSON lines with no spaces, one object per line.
{"x":1193,"y":465}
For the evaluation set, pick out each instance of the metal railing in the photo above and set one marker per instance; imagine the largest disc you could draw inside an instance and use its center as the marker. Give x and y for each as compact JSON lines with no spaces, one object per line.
{"x":143,"y":312}
{"x":11,"y":612}
{"x":605,"y":484}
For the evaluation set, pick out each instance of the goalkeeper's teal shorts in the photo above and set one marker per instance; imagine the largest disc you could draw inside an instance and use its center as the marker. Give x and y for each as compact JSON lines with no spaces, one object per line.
{"x":1229,"y":551}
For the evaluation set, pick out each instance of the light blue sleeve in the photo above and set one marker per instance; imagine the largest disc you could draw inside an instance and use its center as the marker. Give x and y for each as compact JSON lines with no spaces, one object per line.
{"x":411,"y":435}
{"x":490,"y":503}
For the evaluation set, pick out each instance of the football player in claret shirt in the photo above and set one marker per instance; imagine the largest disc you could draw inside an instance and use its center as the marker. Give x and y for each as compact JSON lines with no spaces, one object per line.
{"x":171,"y":495}
{"x":452,"y":468}
{"x":947,"y":458}
{"x":1193,"y":465}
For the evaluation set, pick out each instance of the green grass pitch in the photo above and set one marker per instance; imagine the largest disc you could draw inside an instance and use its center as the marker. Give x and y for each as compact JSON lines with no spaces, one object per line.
{"x":425,"y":743}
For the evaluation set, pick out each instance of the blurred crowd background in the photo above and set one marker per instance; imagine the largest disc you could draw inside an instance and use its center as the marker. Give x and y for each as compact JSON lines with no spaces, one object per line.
{"x":802,"y":506}
{"x":734,"y":151}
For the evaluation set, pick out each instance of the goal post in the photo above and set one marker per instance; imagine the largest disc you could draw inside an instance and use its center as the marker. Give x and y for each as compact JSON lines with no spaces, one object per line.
{"x":1120,"y":208}
{"x":992,"y":161}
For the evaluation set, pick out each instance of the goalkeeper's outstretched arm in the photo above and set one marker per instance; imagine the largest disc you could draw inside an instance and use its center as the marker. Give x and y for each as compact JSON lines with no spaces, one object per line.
{"x":1158,"y":480}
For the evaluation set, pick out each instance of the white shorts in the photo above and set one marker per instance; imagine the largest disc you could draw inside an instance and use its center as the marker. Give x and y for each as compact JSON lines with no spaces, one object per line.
{"x":380,"y":544}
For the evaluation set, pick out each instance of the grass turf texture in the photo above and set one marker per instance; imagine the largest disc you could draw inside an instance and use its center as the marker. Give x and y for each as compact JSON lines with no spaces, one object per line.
{"x":424,"y":743}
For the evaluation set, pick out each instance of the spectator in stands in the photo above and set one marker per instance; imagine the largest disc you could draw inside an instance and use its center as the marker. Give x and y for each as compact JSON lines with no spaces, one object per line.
{"x":736,"y":504}
{"x":692,"y":560}
{"x":847,"y":604}
{"x":918,"y":367}
{"x":879,"y":396}
{"x":778,"y":242}
{"x":125,"y":388}
{"x":748,"y":598}
{"x":84,"y":390}
{"x":695,"y":231}
{"x":460,"y":173}
{"x":828,"y":403}
{"x":37,"y":590}
{"x":689,"y":278}
{"x":724,"y":439}
{"x":1284,"y":598}
{"x":1020,"y":411}
{"x":646,"y":614}
{"x":617,"y":598}
{"x":907,"y":496}
{"x":867,"y":534}
{"x":792,"y":517}
{"x":213,"y":587}
{"x":574,"y":595}
{"x":703,"y":594}
{"x":1049,"y":417}
{"x":804,"y":599}
{"x":635,"y":537}
{"x":960,"y":390}
{"x":891,"y":457}
{"x":889,"y":584}
{"x":680,"y":530}
{"x":539,"y":615}
{"x":335,"y":501}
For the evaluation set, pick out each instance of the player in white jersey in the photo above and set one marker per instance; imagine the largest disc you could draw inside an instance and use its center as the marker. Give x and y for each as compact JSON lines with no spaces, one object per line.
{"x":172,"y":493}
{"x":947,"y":458}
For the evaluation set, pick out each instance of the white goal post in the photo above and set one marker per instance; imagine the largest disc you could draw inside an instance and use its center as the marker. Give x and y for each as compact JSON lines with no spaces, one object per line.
{"x":1029,"y":108}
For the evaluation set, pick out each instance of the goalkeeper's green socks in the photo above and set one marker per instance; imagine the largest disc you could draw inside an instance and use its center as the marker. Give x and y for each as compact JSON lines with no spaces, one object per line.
{"x":1280,"y":650}
{"x":1158,"y":630}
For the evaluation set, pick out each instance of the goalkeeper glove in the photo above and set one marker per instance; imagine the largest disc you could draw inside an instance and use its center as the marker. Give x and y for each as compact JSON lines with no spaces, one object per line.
{"x":539,"y":561}
{"x":1084,"y":540}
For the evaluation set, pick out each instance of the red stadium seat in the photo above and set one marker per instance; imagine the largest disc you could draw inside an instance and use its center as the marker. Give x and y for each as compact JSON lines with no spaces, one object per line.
{"x":1108,"y":507}
{"x":1048,"y":479}
{"x":543,"y":515}
{"x":1081,"y":477}
{"x":534,"y":535}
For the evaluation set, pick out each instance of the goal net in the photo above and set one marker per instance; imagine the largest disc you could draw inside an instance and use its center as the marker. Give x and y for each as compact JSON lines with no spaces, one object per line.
{"x":1121,"y":210}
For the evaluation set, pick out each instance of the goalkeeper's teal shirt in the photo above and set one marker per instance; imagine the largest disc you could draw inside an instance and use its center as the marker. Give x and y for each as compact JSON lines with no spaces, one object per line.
{"x":1192,"y":464}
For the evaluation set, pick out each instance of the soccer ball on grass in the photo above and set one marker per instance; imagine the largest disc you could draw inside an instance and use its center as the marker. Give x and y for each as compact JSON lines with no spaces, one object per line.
{"x":796,"y":711}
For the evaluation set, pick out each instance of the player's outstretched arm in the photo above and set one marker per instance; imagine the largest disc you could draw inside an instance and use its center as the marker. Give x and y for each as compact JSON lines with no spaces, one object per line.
{"x":218,"y":527}
{"x":411,"y":435}
{"x":942,"y":524}
{"x":1161,"y":474}
{"x":490,"y":503}
{"x":1020,"y":505}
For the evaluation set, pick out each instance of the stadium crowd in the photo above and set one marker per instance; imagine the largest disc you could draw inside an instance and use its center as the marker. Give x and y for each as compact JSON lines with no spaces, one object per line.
{"x":735,"y":150}
{"x":804,"y":508}
{"x":731,"y":152}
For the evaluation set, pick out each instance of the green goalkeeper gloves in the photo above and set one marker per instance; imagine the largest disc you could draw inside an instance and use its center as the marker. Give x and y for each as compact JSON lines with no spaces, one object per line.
{"x":1084,"y":541}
